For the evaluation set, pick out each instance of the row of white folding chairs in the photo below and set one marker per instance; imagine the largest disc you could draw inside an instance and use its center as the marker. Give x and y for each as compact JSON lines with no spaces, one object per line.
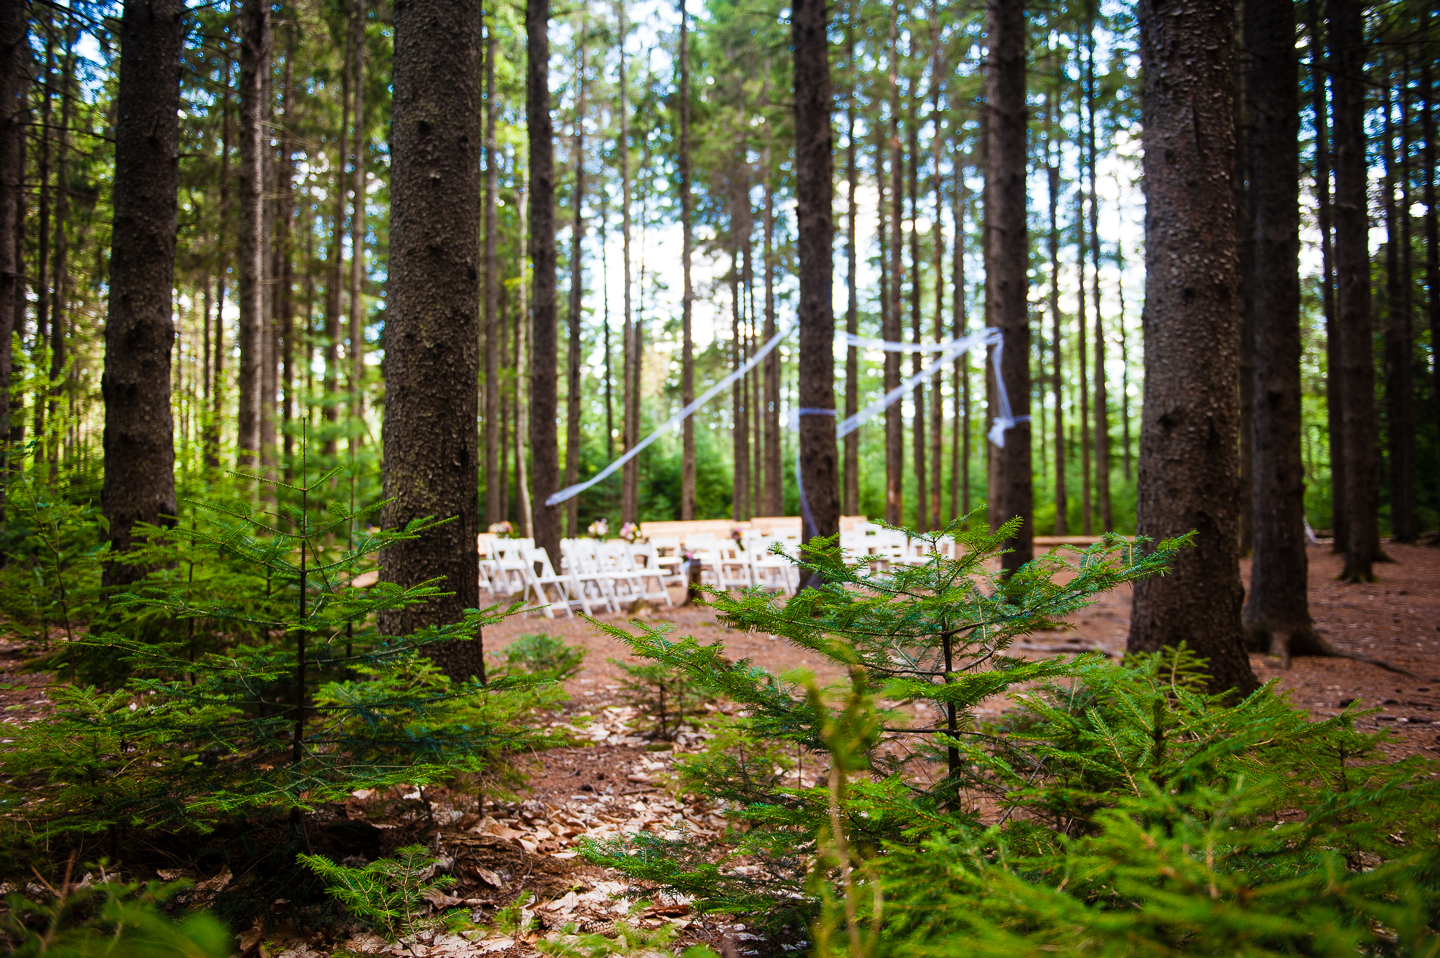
{"x":611,"y":573}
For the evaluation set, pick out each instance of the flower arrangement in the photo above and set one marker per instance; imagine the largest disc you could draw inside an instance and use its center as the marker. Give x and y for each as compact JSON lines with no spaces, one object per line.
{"x":503,"y":530}
{"x":737,"y":533}
{"x":598,"y":529}
{"x":630,"y":532}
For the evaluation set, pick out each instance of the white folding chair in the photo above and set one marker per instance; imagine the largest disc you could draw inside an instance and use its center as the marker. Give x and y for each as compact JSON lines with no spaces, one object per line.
{"x":585,"y":571}
{"x":615,"y":562}
{"x":655,"y":579}
{"x":704,"y":549}
{"x":567,"y":590}
{"x":771,"y":571}
{"x":733,"y":563}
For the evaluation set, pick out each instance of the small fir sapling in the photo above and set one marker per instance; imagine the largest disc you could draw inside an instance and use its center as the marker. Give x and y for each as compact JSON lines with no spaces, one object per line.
{"x":283,"y":723}
{"x":541,"y":654}
{"x":663,"y":692}
{"x":389,"y":894}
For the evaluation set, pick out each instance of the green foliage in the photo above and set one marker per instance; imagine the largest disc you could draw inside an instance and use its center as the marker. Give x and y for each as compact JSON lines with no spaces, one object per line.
{"x":541,"y":654}
{"x":388,"y":894}
{"x":1117,"y":808}
{"x":316,"y":706}
{"x":108,"y":919}
{"x":662,"y":691}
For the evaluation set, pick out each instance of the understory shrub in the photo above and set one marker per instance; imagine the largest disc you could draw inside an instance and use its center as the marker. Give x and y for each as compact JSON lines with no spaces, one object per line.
{"x":1114,"y":808}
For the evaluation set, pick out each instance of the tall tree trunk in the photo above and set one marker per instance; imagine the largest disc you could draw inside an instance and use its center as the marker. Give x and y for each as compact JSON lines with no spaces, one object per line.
{"x":357,"y":230}
{"x":59,"y":293}
{"x":1189,"y":461}
{"x":917,"y":359}
{"x":815,"y":231}
{"x":334,"y":279}
{"x":740,"y":419}
{"x":41,"y":343}
{"x":432,"y":339}
{"x":1102,"y":403}
{"x":14,"y":92}
{"x":1083,"y":367}
{"x":1245,"y":256}
{"x":630,"y":472}
{"x":1277,"y":611}
{"x":523,"y":365}
{"x":544,"y":444}
{"x":937,"y":409}
{"x":494,"y":481}
{"x":687,"y":306}
{"x":960,"y":375}
{"x":577,"y":294}
{"x":1399,"y":386}
{"x":1062,"y":507}
{"x":605,"y":313}
{"x":269,"y":378}
{"x":1432,"y":222}
{"x":1352,"y":268}
{"x":774,"y":479}
{"x":139,"y":481}
{"x":508,"y":393}
{"x":1007,"y":288}
{"x":851,"y":503}
{"x":1124,"y":354}
{"x":217,"y":396}
{"x":1334,"y":404}
{"x":254,"y":57}
{"x":894,"y":414}
{"x":284,"y":244}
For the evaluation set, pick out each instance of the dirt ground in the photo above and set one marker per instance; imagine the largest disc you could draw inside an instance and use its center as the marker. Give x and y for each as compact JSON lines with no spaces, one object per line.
{"x":613,"y":781}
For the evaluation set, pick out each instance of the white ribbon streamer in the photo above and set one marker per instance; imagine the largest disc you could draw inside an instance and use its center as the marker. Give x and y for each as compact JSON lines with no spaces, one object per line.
{"x":674,"y":421}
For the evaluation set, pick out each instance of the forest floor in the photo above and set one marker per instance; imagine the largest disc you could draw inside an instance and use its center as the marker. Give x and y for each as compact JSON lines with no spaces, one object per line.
{"x":614,"y":780}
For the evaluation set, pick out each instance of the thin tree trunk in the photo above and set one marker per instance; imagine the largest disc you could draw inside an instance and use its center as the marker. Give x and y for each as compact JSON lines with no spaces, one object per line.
{"x":357,"y":231}
{"x":1007,"y":288}
{"x":14,"y":92}
{"x":335,"y":281}
{"x":523,"y":365}
{"x":1399,"y":388}
{"x":894,"y":415}
{"x":960,"y":375}
{"x":1352,"y":268}
{"x":851,"y":498}
{"x":687,"y":357}
{"x":59,"y":295}
{"x":1277,"y":613}
{"x":139,"y":484}
{"x":217,"y":397}
{"x":577,"y":290}
{"x":1334,"y":403}
{"x":1062,"y":506}
{"x":815,"y":235}
{"x":284,"y":243}
{"x":1083,"y":368}
{"x":605,"y":312}
{"x":889,"y":330}
{"x":494,"y":417}
{"x":432,"y":339}
{"x":1189,"y":462}
{"x":1124,"y":355}
{"x":740,"y":421}
{"x":41,"y":343}
{"x":937,"y":409}
{"x":544,"y":432}
{"x":269,"y":375}
{"x":774,"y":480}
{"x":508,"y":394}
{"x":1102,"y":411}
{"x":630,"y":472}
{"x":16,"y":432}
{"x":254,"y":57}
{"x":917,"y":359}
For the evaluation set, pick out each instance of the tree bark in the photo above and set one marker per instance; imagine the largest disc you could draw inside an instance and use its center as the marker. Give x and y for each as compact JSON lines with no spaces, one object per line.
{"x":217,"y":396}
{"x":1277,"y":611}
{"x":1334,"y":405}
{"x":357,"y":231}
{"x":1245,"y":256}
{"x":1189,"y":468}
{"x":1008,"y":287}
{"x":59,"y":292}
{"x":1432,"y":223}
{"x":1062,"y":506}
{"x":494,"y":481}
{"x":890,"y":317}
{"x":577,"y":291}
{"x":630,"y":472}
{"x":14,"y":85}
{"x":40,"y":345}
{"x":1102,"y":402}
{"x":851,"y":470}
{"x":917,"y":359}
{"x":960,"y":375}
{"x":937,"y":409}
{"x":774,"y":479}
{"x":432,"y":338}
{"x":740,"y":418}
{"x":284,"y":243}
{"x":254,"y":57}
{"x":334,"y":279}
{"x":524,"y":370}
{"x":815,"y":231}
{"x":139,"y":483}
{"x":544,"y":445}
{"x":687,"y":306}
{"x":1352,"y":267}
{"x":1399,"y":351}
